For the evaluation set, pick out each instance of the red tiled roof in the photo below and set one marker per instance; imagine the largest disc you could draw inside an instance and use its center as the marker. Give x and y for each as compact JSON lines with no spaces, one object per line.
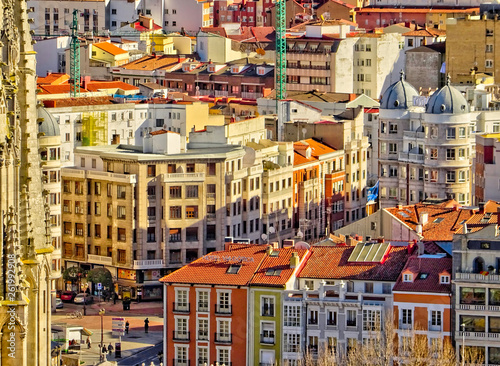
{"x":94,"y":86}
{"x":427,"y":32}
{"x":151,"y":62}
{"x":109,"y":48}
{"x":57,"y":89}
{"x":161,"y":132}
{"x":430,"y":266}
{"x":317,"y":149}
{"x":487,"y":216}
{"x":416,"y":10}
{"x":52,"y":79}
{"x":75,"y":102}
{"x":330,"y":262}
{"x":451,"y":214}
{"x":212,"y":268}
{"x":281,"y":262}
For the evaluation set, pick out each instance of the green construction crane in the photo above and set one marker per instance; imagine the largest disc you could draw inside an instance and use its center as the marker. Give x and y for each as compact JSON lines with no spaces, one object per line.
{"x":280,"y":49}
{"x":74,"y":58}
{"x":280,"y":68}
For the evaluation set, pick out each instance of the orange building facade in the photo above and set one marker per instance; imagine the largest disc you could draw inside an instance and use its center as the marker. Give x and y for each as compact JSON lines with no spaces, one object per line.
{"x":422,"y":299}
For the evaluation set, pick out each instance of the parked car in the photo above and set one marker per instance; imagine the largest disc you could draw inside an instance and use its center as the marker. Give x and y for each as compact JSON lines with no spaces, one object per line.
{"x":59,"y":303}
{"x":68,"y":296}
{"x":83,"y":298}
{"x":58,"y":293}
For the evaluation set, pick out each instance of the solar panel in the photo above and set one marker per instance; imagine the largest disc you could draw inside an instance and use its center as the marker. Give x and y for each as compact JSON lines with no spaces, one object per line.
{"x":368,"y":252}
{"x":404,"y":214}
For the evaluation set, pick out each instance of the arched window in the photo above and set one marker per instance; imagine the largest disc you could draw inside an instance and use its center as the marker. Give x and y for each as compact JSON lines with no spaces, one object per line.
{"x":478,"y":265}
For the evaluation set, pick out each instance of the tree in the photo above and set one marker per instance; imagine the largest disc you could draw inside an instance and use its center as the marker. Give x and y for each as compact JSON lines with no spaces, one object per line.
{"x":100,"y":275}
{"x":74,"y":275}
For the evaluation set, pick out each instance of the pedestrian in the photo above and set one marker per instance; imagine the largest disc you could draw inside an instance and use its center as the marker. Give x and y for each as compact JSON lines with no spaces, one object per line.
{"x":89,"y":342}
{"x":115,"y":296}
{"x":146,"y":325}
{"x":104,"y":349}
{"x":127,"y":325}
{"x":84,"y":310}
{"x":110,"y":348}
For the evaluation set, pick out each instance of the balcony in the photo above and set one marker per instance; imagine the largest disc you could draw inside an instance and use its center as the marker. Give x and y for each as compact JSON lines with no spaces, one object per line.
{"x":99,"y":259}
{"x":202,"y":335}
{"x":331,"y":323}
{"x":203,"y":307}
{"x":435,"y":328}
{"x":183,"y":177}
{"x":312,"y":348}
{"x":149,"y":264}
{"x":477,"y":277}
{"x":474,"y":307}
{"x":414,"y":134}
{"x":475,"y":335}
{"x":351,"y":323}
{"x":180,"y":362}
{"x":411,"y":158}
{"x":312,"y":321}
{"x":268,"y":311}
{"x":403,"y":325}
{"x":266,"y":339}
{"x":202,"y":361}
{"x":181,"y":307}
{"x":181,"y":335}
{"x":98,"y":175}
{"x":224,"y":338}
{"x":251,"y":95}
{"x":223,"y":309}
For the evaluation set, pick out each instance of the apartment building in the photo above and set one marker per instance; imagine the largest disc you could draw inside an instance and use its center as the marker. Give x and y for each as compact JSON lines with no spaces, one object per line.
{"x":54,"y":17}
{"x":313,"y":164}
{"x":422,"y":299}
{"x":50,"y":154}
{"x":430,"y":3}
{"x":486,"y":172}
{"x":342,"y":132}
{"x":477,"y":33}
{"x":425,"y":153}
{"x":161,"y":207}
{"x":342,"y":299}
{"x":362,"y":63}
{"x":476,"y":290}
{"x":244,"y":13}
{"x":188,"y":16}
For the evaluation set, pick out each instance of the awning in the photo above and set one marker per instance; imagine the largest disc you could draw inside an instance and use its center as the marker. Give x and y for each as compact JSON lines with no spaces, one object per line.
{"x":87,"y":332}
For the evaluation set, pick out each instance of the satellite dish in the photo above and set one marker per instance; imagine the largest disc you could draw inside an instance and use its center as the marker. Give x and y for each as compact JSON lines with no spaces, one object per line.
{"x":302,"y":245}
{"x":300,"y":234}
{"x":272,"y":230}
{"x":264,"y":236}
{"x":304,"y":131}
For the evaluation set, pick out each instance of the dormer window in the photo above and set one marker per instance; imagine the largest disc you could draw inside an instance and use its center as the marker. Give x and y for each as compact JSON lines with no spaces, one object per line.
{"x":211,"y":68}
{"x":233,"y":269}
{"x":443,"y":279}
{"x":408,"y":277}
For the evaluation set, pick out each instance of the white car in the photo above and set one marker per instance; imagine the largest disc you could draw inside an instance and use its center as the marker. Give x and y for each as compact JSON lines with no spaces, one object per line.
{"x":83,"y":298}
{"x":59,"y":303}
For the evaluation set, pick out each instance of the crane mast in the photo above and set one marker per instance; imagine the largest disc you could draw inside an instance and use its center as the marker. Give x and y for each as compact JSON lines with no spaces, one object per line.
{"x":74,"y":58}
{"x":280,"y":68}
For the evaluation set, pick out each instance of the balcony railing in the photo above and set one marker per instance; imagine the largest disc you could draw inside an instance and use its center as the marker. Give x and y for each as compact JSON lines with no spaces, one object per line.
{"x":266,"y":339}
{"x":351,"y":323}
{"x":99,"y":259}
{"x":418,"y":158}
{"x":203,"y":362}
{"x":312,"y":321}
{"x":331,"y":322}
{"x":476,"y":277}
{"x":148,"y":263}
{"x":181,"y":335}
{"x":181,"y":307}
{"x":203,"y":306}
{"x":435,"y":327}
{"x":180,"y":362}
{"x":182,"y":177}
{"x":268,"y":311}
{"x":223,"y":309}
{"x":203,"y":335}
{"x":404,"y":325}
{"x":226,"y":338}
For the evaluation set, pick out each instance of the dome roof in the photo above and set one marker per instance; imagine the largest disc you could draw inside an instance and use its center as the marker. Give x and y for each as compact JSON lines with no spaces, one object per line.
{"x":47,"y":124}
{"x":447,"y":100}
{"x":399,"y":95}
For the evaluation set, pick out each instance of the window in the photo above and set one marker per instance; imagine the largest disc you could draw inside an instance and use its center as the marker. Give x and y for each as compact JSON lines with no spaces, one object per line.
{"x":331,"y":317}
{"x":369,"y":287}
{"x":408,"y":277}
{"x":192,"y":234}
{"x":175,"y":212}
{"x":151,"y":234}
{"x":121,"y":212}
{"x":211,"y":168}
{"x":202,"y":329}
{"x":444,"y":279}
{"x":489,"y":48}
{"x":203,"y":303}
{"x":450,"y":133}
{"x":175,"y":192}
{"x":151,"y":213}
{"x":386,"y":288}
{"x":393,"y":128}
{"x":472,"y":295}
{"x":489,"y":64}
{"x":434,"y":154}
{"x":224,"y":302}
{"x":406,"y":317}
{"x":121,"y":191}
{"x":151,"y":170}
{"x":450,"y":154}
{"x":371,"y":320}
{"x":97,"y":208}
{"x":191,"y":212}
{"x":473,"y":323}
{"x":462,"y":132}
{"x":191,"y":191}
{"x":450,"y":176}
{"x":122,"y":234}
{"x":292,"y":342}
{"x":122,"y":256}
{"x":351,"y":318}
{"x":267,"y":306}
{"x":292,"y":315}
{"x":97,"y":230}
{"x":436,"y":318}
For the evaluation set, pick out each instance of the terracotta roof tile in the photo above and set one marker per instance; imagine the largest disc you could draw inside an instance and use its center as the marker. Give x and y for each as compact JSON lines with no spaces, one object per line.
{"x":109,"y":48}
{"x":281,"y":263}
{"x":331,"y":262}
{"x":52,"y":79}
{"x":151,"y":62}
{"x":212,"y":268}
{"x":430,"y":283}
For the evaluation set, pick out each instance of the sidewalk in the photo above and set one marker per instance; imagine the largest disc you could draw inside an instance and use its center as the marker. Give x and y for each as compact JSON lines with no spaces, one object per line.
{"x":132,"y":343}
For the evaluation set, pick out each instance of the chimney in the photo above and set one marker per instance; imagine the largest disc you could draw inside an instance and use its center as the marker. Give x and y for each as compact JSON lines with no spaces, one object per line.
{"x":481,"y":206}
{"x":368,"y":238}
{"x":418,"y":229}
{"x":294,"y":260}
{"x":115,"y":140}
{"x":380,"y":239}
{"x":424,"y":217}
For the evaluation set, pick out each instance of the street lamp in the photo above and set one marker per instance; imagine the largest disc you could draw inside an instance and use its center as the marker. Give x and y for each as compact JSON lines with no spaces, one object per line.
{"x":463,"y":343}
{"x":101,"y":355}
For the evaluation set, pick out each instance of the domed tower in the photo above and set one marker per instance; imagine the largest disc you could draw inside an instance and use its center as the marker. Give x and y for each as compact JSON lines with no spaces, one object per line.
{"x":49,"y":139}
{"x":25,"y":285}
{"x":399,"y":121}
{"x":449,"y":145}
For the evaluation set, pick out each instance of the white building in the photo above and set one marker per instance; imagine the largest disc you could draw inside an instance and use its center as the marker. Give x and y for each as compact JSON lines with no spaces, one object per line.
{"x":424,"y":152}
{"x":51,"y":55}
